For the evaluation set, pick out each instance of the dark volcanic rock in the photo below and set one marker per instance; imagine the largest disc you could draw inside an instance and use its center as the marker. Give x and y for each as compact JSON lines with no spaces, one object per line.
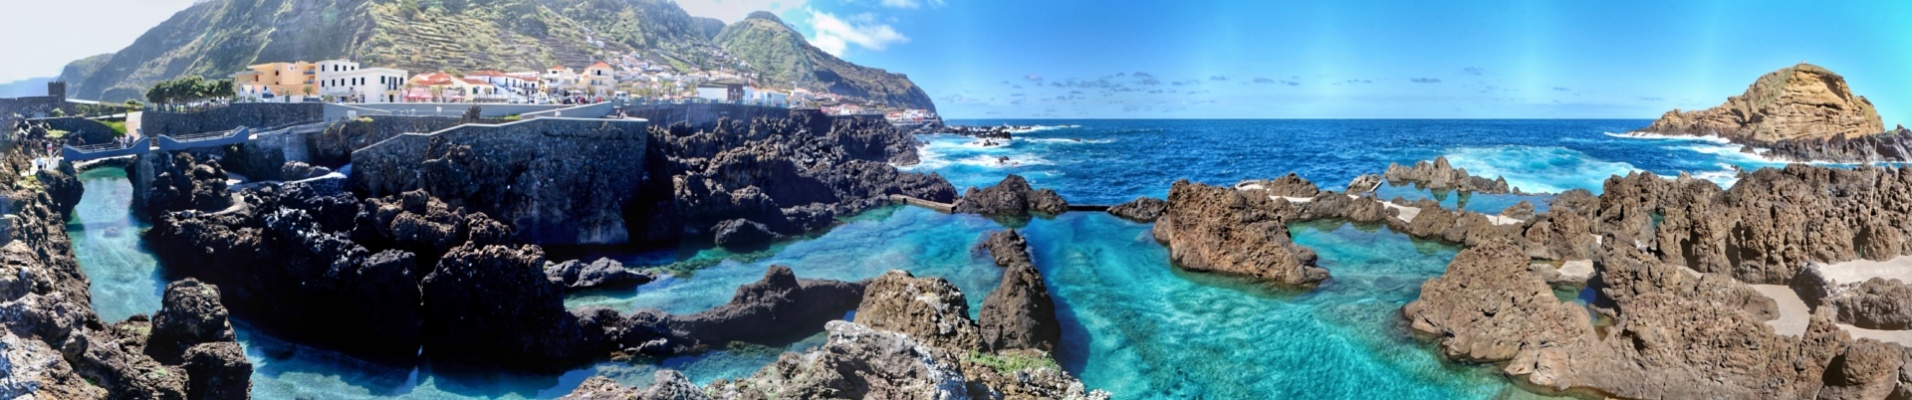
{"x":774,"y":310}
{"x":190,"y":315}
{"x":931,"y":310}
{"x":183,"y":182}
{"x":553,"y":181}
{"x":1019,"y":314}
{"x":288,"y":264}
{"x":1876,"y":304}
{"x":743,"y":234}
{"x":1215,"y":229}
{"x":1291,"y":185}
{"x":113,"y":360}
{"x":605,"y":272}
{"x":857,"y":362}
{"x":218,"y":370}
{"x":493,"y":304}
{"x":1011,"y":197}
{"x":1142,"y":209}
{"x":791,"y":175}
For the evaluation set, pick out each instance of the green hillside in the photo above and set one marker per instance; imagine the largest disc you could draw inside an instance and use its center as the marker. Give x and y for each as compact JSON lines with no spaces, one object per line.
{"x":216,"y":38}
{"x":782,"y":57}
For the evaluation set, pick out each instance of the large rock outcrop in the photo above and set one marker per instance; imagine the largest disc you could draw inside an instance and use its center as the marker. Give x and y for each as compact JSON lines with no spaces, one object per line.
{"x":181,"y":181}
{"x":605,"y":272}
{"x":492,"y":304}
{"x":930,"y":310}
{"x":1215,"y":229}
{"x":756,"y":180}
{"x":1487,"y":307}
{"x":1011,"y":197}
{"x":778,"y":309}
{"x":1019,"y":314}
{"x":1803,"y":101}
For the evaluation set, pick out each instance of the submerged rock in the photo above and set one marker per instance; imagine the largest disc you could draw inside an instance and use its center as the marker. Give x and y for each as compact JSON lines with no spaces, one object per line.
{"x":1011,"y":197}
{"x":1216,"y":229}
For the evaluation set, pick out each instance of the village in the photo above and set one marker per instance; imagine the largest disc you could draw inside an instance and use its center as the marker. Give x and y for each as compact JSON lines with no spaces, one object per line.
{"x":631,"y":79}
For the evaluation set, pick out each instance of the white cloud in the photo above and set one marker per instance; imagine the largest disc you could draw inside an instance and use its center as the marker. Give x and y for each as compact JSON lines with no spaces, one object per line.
{"x":834,"y":35}
{"x":735,"y":10}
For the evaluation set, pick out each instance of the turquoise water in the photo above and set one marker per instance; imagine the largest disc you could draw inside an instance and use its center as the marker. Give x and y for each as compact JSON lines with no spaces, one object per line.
{"x":106,"y":243}
{"x":1141,"y":329}
{"x":1133,"y":324}
{"x":1476,"y":202}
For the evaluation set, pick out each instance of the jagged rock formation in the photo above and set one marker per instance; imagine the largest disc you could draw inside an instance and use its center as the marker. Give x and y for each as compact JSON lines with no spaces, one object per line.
{"x":1803,"y":101}
{"x":1011,"y":197}
{"x":1521,"y":211}
{"x":1767,"y":226}
{"x":1487,"y":307}
{"x":665,"y":385}
{"x":1892,"y":146}
{"x":181,"y":181}
{"x":605,"y":272}
{"x":1019,"y":314}
{"x":789,"y":176}
{"x":1439,"y":175}
{"x":1142,"y":209}
{"x":1216,"y":229}
{"x":930,"y":310}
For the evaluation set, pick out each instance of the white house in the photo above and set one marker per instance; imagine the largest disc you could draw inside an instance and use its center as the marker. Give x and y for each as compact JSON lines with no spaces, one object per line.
{"x":346,"y":80}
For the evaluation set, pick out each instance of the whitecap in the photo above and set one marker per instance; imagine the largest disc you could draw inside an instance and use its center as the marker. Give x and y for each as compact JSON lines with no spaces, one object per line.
{"x":1533,"y":169}
{"x":1065,"y":140}
{"x":1662,"y":136}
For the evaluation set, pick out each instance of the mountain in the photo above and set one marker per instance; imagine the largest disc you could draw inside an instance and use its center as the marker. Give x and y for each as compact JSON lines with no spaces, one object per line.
{"x":216,"y":38}
{"x":782,"y":57}
{"x":1804,"y":101}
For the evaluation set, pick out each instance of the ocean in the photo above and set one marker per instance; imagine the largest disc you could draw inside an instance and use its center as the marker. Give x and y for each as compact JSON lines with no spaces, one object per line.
{"x":1133,"y":324}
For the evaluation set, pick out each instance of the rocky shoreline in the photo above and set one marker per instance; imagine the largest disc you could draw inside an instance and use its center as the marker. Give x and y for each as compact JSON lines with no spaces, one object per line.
{"x":1802,"y":113}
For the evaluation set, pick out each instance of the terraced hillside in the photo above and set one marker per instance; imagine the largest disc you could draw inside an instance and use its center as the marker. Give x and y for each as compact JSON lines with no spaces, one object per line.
{"x":216,"y":38}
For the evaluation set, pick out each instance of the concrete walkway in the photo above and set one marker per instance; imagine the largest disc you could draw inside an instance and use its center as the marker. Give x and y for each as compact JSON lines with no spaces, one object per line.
{"x":1794,"y":316}
{"x":1857,"y":271}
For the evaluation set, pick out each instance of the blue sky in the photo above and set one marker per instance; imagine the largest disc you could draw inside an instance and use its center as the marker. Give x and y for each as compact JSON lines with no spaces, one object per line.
{"x":1268,"y":59}
{"x":1361,"y":59}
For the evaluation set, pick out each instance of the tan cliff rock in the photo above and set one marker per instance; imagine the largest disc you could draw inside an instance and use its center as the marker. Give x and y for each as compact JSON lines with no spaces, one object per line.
{"x":1804,"y":101}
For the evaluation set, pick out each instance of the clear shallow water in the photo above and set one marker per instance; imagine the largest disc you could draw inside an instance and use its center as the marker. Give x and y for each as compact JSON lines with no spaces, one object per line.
{"x":1112,"y":161}
{"x":106,"y":242}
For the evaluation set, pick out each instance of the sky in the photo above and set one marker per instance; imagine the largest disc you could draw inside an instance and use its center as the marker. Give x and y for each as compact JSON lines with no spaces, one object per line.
{"x":1265,"y":59}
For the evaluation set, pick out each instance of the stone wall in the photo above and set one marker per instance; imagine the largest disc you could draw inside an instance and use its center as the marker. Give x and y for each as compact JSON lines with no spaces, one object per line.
{"x":256,"y":115}
{"x":705,"y":115}
{"x":555,"y":180}
{"x":37,"y":106}
{"x":333,"y":146}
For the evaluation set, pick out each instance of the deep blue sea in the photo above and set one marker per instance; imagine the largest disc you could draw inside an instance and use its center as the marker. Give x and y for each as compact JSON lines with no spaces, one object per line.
{"x":1133,"y":324}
